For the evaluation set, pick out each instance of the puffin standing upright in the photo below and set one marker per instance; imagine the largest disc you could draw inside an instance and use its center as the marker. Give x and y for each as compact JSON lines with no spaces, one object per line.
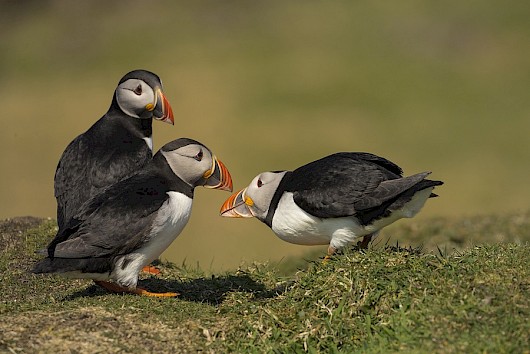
{"x":115,"y":147}
{"x":333,"y":201}
{"x":122,"y":229}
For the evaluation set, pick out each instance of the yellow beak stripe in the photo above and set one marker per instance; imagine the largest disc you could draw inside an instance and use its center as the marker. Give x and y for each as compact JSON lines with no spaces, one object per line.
{"x":208,"y":173}
{"x":249,"y":201}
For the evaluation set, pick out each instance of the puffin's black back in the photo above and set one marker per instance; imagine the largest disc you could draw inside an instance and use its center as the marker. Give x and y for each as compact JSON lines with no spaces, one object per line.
{"x":111,"y":150}
{"x":347,"y":184}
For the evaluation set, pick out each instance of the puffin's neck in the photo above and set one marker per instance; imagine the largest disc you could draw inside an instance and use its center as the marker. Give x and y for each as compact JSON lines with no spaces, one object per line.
{"x":276,"y":199}
{"x":174,"y":182}
{"x":143,"y":127}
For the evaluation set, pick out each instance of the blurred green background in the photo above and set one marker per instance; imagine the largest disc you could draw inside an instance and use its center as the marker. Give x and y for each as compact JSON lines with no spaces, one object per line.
{"x":268,"y":85}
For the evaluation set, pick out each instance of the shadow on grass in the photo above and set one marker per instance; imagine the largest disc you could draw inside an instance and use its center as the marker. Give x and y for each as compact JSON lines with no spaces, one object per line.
{"x":211,"y":290}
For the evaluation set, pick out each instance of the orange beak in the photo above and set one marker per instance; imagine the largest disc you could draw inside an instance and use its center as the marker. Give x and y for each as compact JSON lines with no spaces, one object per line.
{"x":237,"y":206}
{"x":218,"y":177}
{"x":162,"y":110}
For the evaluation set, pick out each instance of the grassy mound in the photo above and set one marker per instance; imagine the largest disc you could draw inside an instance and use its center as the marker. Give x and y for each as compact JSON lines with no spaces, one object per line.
{"x":385,"y":299}
{"x":396,"y":299}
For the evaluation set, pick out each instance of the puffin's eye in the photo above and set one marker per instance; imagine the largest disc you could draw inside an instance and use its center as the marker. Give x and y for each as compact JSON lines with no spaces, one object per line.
{"x":198,"y":157}
{"x":260,"y":183}
{"x":138,"y":90}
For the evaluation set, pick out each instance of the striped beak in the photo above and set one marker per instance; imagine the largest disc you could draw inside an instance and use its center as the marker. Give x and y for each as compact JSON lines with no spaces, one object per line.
{"x":218,"y":176}
{"x":162,"y":109}
{"x":237,"y":206}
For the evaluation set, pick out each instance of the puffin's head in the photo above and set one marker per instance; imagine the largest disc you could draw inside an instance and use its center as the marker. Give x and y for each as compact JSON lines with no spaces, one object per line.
{"x":139,"y":95}
{"x":255,"y":199}
{"x":195,"y":164}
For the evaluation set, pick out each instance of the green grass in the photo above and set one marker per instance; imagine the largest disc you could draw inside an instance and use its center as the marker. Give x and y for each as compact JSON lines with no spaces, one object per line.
{"x":387,"y":299}
{"x":397,"y":299}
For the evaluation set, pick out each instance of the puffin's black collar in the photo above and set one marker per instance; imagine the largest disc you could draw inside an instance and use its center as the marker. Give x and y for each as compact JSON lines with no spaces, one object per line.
{"x":276,"y":199}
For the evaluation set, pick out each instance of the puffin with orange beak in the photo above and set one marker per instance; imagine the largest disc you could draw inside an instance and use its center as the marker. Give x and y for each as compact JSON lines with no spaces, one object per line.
{"x":119,"y":231}
{"x":332,"y":201}
{"x":117,"y":146}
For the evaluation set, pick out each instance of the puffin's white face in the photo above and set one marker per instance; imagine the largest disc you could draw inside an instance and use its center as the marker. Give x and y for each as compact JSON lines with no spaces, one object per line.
{"x":196,"y":166}
{"x":136,"y":98}
{"x":255,"y":199}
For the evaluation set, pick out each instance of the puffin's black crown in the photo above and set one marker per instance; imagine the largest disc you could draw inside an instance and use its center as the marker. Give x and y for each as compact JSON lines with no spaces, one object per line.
{"x":149,"y":77}
{"x":178,"y":143}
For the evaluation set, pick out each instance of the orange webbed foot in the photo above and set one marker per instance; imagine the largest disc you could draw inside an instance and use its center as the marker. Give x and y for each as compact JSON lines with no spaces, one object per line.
{"x":144,"y":292}
{"x":150,"y":269}
{"x":331,"y":252}
{"x":115,"y":288}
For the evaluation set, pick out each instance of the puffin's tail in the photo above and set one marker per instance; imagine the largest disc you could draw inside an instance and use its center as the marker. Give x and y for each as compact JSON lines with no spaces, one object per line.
{"x":421,"y":185}
{"x":49,"y":265}
{"x":399,"y":193}
{"x":416,"y":197}
{"x":64,"y":265}
{"x":427,"y":183}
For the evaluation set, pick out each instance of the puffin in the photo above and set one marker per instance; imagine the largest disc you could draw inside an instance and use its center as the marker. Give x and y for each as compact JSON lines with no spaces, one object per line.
{"x":119,"y":231}
{"x":114,"y":147}
{"x":332,"y":201}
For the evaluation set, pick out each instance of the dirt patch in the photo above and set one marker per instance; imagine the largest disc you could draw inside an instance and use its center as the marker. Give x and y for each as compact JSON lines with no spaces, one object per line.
{"x":94,"y":330}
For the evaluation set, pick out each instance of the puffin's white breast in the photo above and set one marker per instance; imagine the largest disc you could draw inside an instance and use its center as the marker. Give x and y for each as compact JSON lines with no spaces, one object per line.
{"x":294,"y":225}
{"x":171,"y":219}
{"x":149,"y":141}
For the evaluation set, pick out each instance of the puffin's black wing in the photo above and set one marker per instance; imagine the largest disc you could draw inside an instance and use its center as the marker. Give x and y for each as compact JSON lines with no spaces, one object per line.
{"x":366,"y":156}
{"x":345,"y":183}
{"x":70,"y":174}
{"x":88,"y":165}
{"x":113,"y":222}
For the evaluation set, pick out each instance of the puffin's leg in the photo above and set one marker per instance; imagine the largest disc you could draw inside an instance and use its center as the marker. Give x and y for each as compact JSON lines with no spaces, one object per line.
{"x":331,"y":252}
{"x":112,"y":287}
{"x":151,"y":269}
{"x":138,"y":291}
{"x":363,"y":244}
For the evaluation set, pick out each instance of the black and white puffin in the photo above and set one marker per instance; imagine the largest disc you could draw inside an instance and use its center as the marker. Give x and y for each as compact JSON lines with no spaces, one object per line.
{"x":119,"y":231}
{"x":115,"y":147}
{"x":332,"y":201}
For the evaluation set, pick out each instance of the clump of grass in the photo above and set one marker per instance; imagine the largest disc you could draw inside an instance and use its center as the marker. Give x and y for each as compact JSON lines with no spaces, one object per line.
{"x":385,"y":299}
{"x":397,"y":299}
